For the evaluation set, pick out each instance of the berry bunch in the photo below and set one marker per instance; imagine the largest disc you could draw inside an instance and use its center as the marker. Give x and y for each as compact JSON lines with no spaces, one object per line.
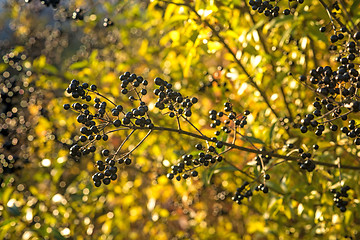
{"x":188,"y":164}
{"x":231,"y":120}
{"x":340,"y":196}
{"x":337,"y":91}
{"x":107,"y":22}
{"x":77,"y":14}
{"x":98,"y":118}
{"x":269,"y":9}
{"x":47,"y":3}
{"x":91,"y":131}
{"x":244,"y":191}
{"x":172,"y":100}
{"x":241,"y":193}
{"x":262,"y":159}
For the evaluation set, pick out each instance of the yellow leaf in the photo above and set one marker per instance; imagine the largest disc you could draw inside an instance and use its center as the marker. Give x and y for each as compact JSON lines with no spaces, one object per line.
{"x":144,"y":46}
{"x":213,"y":46}
{"x":175,"y":36}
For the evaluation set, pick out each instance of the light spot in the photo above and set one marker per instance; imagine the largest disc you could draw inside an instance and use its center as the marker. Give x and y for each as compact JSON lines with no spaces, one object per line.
{"x":65,"y":232}
{"x":46,"y":162}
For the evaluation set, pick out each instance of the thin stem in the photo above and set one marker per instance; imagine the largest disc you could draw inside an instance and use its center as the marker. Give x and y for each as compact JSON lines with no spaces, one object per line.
{"x":99,"y":94}
{"x":247,"y":139}
{"x":286,"y":103}
{"x":233,"y":146}
{"x":187,"y":120}
{"x":339,"y":166}
{"x":142,"y":140}
{"x":228,"y":48}
{"x":349,"y":18}
{"x":334,"y":17}
{"x":122,"y":144}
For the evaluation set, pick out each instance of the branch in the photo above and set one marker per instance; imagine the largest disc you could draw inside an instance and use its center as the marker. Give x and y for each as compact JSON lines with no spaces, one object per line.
{"x":238,"y":62}
{"x":233,"y":146}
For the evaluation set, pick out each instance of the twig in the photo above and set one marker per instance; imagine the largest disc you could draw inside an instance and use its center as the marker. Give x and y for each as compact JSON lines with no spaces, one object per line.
{"x":142,"y":140}
{"x":233,"y":146}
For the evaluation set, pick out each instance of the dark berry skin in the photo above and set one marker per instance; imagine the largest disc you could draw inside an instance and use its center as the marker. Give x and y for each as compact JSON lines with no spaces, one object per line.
{"x":357,"y":35}
{"x":334,"y":38}
{"x":66,"y":106}
{"x":106,"y":181}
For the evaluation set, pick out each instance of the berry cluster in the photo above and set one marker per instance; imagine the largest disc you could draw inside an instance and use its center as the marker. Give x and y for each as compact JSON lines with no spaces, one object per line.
{"x":107,"y":22}
{"x":269,"y":9}
{"x":208,"y":154}
{"x":47,"y":3}
{"x":339,"y":197}
{"x":244,"y":191}
{"x":188,"y":163}
{"x":305,"y":162}
{"x":241,"y":193}
{"x":95,"y":123}
{"x":93,"y":132}
{"x":262,"y":159}
{"x":262,"y":187}
{"x":107,"y":169}
{"x":337,"y":91}
{"x":77,"y":14}
{"x":231,"y":119}
{"x":172,"y":100}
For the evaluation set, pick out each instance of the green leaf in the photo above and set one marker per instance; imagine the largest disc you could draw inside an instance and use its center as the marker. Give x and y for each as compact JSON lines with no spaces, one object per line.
{"x":256,"y":26}
{"x":6,"y":222}
{"x":251,"y":50}
{"x":207,"y":175}
{"x":314,"y":32}
{"x":355,"y":6}
{"x":252,"y":139}
{"x":271,"y":133}
{"x":6,"y":194}
{"x":227,"y":168}
{"x":78,"y":65}
{"x":51,"y":69}
{"x":279,"y":21}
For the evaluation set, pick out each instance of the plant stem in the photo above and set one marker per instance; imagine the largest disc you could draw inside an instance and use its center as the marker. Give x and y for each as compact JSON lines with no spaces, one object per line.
{"x":233,"y":146}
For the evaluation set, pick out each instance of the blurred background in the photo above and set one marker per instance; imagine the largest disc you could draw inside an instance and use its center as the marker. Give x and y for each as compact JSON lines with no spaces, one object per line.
{"x":217,"y":51}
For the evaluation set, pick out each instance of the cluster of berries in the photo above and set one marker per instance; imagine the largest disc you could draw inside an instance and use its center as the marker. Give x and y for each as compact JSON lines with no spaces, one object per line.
{"x":47,"y":3}
{"x":108,"y":170}
{"x":96,"y":122}
{"x":188,"y":164}
{"x":242,"y":193}
{"x":108,"y":22}
{"x":93,"y":132}
{"x":337,"y":92}
{"x":77,"y":14}
{"x":262,"y":158}
{"x":231,"y":119}
{"x":305,"y":162}
{"x":172,"y":100}
{"x":339,"y":197}
{"x":269,"y":9}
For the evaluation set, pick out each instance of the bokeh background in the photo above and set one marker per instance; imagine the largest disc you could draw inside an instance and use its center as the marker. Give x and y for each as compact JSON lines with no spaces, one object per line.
{"x":202,"y":48}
